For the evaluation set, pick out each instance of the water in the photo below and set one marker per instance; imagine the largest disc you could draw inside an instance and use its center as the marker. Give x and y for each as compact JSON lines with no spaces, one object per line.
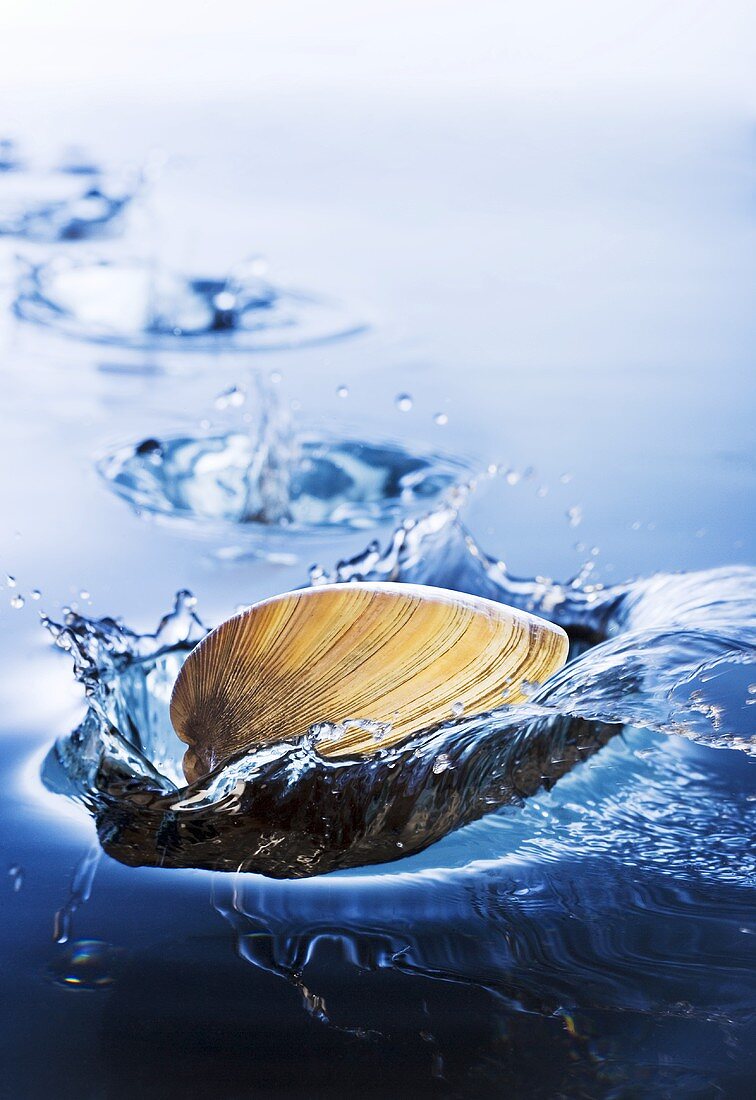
{"x":140,"y":304}
{"x":673,"y":654}
{"x":577,"y":248}
{"x":259,"y":490}
{"x":70,"y":199}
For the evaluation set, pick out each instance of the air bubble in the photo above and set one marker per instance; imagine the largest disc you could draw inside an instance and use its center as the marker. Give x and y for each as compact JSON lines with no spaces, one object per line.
{"x":85,"y":964}
{"x":404,"y":402}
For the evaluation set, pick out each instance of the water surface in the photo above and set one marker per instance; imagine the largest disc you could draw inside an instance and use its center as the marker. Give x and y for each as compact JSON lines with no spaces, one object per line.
{"x":584,"y":319}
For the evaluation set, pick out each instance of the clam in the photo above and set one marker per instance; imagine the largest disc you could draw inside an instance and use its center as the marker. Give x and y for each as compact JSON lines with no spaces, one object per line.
{"x":376,"y":661}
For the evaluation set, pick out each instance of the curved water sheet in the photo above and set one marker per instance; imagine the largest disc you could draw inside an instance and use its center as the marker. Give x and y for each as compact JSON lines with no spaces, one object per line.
{"x":72,"y":199}
{"x":255,"y":491}
{"x":138,"y":304}
{"x":655,"y":661}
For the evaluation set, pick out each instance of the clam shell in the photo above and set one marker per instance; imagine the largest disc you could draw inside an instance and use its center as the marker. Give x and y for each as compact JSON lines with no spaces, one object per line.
{"x":405,"y":656}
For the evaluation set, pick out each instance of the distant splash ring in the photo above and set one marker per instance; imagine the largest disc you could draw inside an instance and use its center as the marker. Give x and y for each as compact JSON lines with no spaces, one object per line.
{"x":62,"y":202}
{"x":287,"y":319}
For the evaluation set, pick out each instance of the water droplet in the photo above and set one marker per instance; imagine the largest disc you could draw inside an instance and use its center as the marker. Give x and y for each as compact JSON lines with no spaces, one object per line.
{"x":150,"y":448}
{"x":342,"y":391}
{"x":84,"y":594}
{"x":16,"y":875}
{"x":85,"y":964}
{"x":10,"y":581}
{"x":403,"y":402}
{"x":575,"y":515}
{"x":442,"y":763}
{"x":225,"y":301}
{"x":35,"y":594}
{"x":513,"y":476}
{"x":275,"y":377}
{"x":458,"y":709}
{"x":566,"y":478}
{"x":542,"y":490}
{"x":441,"y":419}
{"x":17,"y":602}
{"x":232,"y":398}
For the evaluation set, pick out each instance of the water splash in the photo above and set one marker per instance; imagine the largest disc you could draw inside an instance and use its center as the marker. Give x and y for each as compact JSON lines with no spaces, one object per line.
{"x":671,"y":654}
{"x":80,"y":893}
{"x":72,"y":199}
{"x":269,"y":481}
{"x":140,"y":305}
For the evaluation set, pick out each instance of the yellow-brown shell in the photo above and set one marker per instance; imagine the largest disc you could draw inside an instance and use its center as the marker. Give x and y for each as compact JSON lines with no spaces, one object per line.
{"x":407,"y":656}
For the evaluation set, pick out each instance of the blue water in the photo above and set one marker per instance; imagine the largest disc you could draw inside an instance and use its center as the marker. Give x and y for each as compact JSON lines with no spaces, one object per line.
{"x":570,"y":283}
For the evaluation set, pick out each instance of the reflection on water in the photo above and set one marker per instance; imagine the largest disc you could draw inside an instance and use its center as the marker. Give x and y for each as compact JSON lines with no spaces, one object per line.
{"x":645,"y":655}
{"x":141,"y":304}
{"x":627,"y":980}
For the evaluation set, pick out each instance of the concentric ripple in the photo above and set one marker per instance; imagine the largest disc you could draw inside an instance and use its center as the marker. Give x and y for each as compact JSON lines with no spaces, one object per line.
{"x":138,"y":304}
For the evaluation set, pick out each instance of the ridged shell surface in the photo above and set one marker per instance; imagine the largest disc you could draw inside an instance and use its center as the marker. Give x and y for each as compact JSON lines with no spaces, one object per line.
{"x":405,"y":656}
